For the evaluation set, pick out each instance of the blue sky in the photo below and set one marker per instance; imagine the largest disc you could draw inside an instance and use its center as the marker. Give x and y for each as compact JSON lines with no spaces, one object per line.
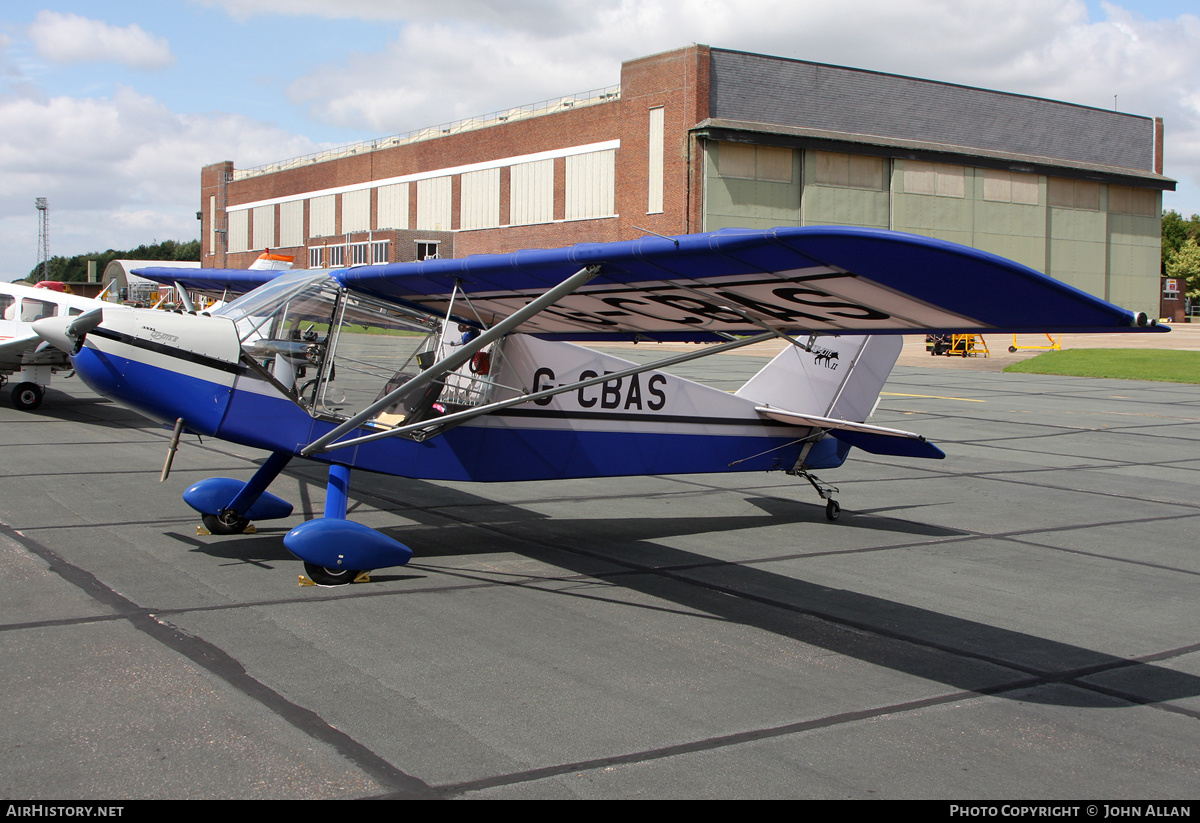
{"x":111,"y":108}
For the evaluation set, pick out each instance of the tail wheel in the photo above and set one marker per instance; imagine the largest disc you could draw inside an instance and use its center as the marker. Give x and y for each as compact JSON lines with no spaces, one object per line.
{"x":832,"y":510}
{"x":329,"y":577}
{"x":27,"y":396}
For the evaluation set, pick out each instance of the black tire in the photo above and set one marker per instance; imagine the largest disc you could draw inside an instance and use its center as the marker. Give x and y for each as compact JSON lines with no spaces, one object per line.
{"x":225,"y":523}
{"x":27,"y":396}
{"x":832,"y":510}
{"x":329,"y":577}
{"x":1012,"y":349}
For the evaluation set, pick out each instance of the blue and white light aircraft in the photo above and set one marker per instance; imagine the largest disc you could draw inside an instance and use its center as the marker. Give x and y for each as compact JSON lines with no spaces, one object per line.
{"x":468,"y":369}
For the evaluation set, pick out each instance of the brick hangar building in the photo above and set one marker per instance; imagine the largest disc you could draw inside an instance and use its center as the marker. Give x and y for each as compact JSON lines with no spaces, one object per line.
{"x":702,"y":138}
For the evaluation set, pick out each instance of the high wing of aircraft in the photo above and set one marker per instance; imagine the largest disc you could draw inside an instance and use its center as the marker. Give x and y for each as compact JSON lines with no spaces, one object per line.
{"x":465,"y":369}
{"x":23,"y":354}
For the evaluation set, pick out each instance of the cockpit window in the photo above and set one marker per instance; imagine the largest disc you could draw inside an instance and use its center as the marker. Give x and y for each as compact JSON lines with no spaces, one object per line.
{"x":331,"y":349}
{"x":33,"y":309}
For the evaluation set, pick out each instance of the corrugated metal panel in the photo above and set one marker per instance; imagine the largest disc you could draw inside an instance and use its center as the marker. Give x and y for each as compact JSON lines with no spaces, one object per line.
{"x":480,"y":207}
{"x":320,"y":216}
{"x":356,"y":211}
{"x":392,"y":211}
{"x":531,"y":193}
{"x":591,"y":183}
{"x":762,"y":89}
{"x":264,"y":227}
{"x":654,"y":194}
{"x":433,"y":204}
{"x":239,"y":231}
{"x":291,"y":223}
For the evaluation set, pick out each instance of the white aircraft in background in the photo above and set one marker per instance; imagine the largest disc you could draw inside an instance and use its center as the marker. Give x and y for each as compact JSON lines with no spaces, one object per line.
{"x":22,"y":353}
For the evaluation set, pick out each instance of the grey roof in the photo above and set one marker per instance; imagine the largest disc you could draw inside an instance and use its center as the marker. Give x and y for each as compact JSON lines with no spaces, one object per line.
{"x":762,"y":89}
{"x":768,"y":133}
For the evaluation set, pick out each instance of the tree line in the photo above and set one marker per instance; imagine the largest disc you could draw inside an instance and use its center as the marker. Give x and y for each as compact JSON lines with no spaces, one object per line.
{"x":74,"y":269}
{"x":1181,"y":250}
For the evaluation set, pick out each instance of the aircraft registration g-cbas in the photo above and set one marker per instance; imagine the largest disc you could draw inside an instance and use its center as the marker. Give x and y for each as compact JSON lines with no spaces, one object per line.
{"x":468,"y":369}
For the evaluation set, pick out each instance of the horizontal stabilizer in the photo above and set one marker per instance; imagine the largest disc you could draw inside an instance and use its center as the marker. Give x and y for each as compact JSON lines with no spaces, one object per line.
{"x":871,"y":439}
{"x":890,"y":444}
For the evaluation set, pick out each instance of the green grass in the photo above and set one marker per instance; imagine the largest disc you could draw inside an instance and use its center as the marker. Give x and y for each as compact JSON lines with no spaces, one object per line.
{"x":1163,"y":365}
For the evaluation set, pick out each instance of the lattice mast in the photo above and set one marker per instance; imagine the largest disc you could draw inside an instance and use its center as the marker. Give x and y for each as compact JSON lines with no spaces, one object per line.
{"x":44,"y":236}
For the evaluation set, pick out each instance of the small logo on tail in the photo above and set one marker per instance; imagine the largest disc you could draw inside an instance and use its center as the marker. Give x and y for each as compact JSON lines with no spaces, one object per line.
{"x":825,"y":357}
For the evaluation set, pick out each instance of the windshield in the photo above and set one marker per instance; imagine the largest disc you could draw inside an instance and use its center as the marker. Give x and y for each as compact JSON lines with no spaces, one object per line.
{"x":265,"y":299}
{"x":331,"y":350}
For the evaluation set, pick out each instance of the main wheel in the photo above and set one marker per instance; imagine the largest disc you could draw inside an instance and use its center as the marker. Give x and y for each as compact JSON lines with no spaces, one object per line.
{"x":225,"y":523}
{"x":329,"y":577}
{"x":27,"y":396}
{"x":832,"y":510}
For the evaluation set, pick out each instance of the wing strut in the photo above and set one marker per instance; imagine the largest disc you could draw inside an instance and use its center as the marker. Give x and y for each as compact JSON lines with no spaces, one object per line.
{"x":452,"y":361}
{"x":467,"y":414}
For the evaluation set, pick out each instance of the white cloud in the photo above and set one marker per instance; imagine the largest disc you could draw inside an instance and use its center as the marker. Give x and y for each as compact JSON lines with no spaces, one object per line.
{"x":117,"y":172}
{"x":69,"y":38}
{"x":536,"y":15}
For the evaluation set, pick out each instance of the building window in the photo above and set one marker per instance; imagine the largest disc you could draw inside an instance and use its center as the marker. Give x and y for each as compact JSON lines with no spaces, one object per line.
{"x":360,"y":254}
{"x":940,"y":179}
{"x":749,"y":162}
{"x":379,"y":251}
{"x":531,"y":193}
{"x":852,"y":171}
{"x":337,"y":256}
{"x":239,"y":230}
{"x":393,"y":206}
{"x":321,"y":215}
{"x":1073,"y":194}
{"x":427,"y":251}
{"x":433,"y":204}
{"x":1127,"y":200}
{"x":356,"y":211}
{"x":655,"y":179}
{"x":591,"y":185}
{"x":1010,"y":187}
{"x":291,"y":223}
{"x":479,"y":201}
{"x":314,"y":257}
{"x":264,"y":227}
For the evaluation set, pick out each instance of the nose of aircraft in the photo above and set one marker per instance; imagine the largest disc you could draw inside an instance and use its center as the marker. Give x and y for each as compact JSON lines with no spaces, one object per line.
{"x":67,"y":333}
{"x":161,"y":364}
{"x":54,"y":331}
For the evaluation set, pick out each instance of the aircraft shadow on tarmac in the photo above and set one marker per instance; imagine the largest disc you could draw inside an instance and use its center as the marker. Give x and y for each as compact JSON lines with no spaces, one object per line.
{"x":87,"y":408}
{"x":958,"y":652}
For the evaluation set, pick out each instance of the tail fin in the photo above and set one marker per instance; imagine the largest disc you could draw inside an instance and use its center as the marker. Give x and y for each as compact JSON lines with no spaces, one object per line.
{"x":838,"y":377}
{"x":834,"y":386}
